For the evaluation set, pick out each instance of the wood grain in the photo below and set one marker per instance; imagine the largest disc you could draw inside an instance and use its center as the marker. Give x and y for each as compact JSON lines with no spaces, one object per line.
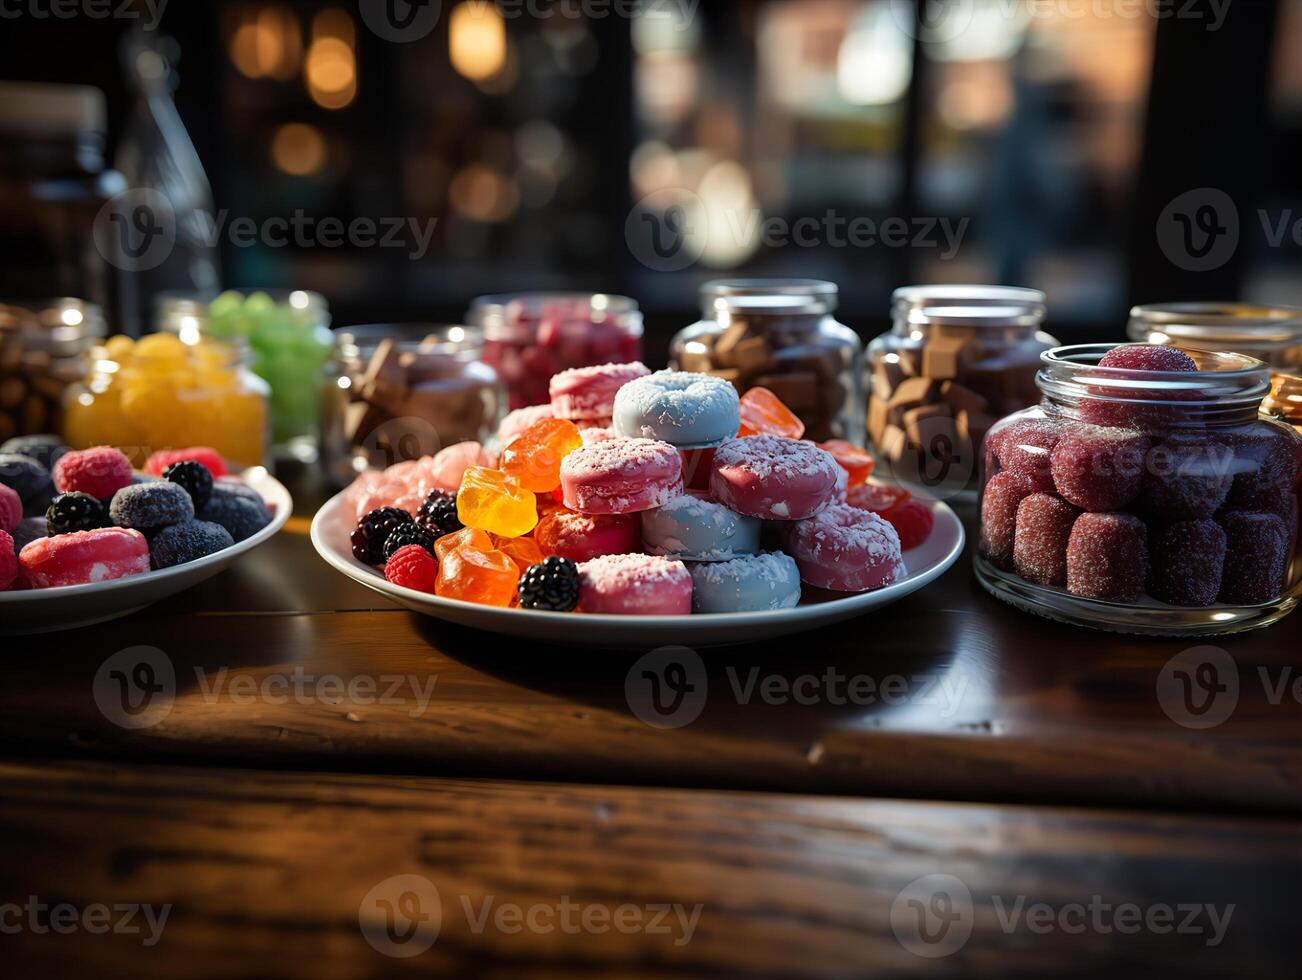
{"x":266,"y":873}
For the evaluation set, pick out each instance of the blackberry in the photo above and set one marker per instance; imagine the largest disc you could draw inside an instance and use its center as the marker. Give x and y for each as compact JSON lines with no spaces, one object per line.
{"x":372,"y":530}
{"x":439,"y":513}
{"x":552,"y":584}
{"x":193,"y":478}
{"x":75,"y":512}
{"x":410,"y":533}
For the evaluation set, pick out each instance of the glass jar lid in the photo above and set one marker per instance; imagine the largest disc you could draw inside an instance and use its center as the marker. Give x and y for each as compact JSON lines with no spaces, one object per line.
{"x":972,"y":316}
{"x":968,"y":295}
{"x":1216,"y":326}
{"x":780,"y":297}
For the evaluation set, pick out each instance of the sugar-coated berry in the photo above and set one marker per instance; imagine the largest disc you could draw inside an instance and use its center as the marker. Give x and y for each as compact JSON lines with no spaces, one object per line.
{"x":552,"y":584}
{"x":409,"y":534}
{"x":29,"y":479}
{"x":149,"y":506}
{"x":373,"y":530}
{"x":206,"y":455}
{"x":100,"y":472}
{"x":11,"y":508}
{"x":8,"y":561}
{"x":412,"y":567}
{"x":1185,"y":477}
{"x":1044,"y":524}
{"x":999,"y":502}
{"x":45,"y":449}
{"x":913,"y":521}
{"x":242,"y":516}
{"x":1256,"y":557}
{"x":439,"y":513}
{"x":75,"y":511}
{"x":1099,"y":469}
{"x":1107,"y":557}
{"x":1188,"y":559}
{"x":186,"y":542}
{"x":193,"y":477}
{"x":1148,"y":357}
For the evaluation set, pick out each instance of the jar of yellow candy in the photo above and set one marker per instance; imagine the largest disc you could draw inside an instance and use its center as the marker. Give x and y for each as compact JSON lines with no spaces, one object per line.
{"x":170,"y":391}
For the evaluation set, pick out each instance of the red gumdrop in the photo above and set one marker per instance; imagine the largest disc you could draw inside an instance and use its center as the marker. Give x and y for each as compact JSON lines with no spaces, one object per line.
{"x":1148,"y":357}
{"x":1107,"y":557}
{"x":1118,"y":406}
{"x":1099,"y":469}
{"x":1185,"y":477}
{"x":1265,"y":459}
{"x":1044,"y":524}
{"x":1024,"y":446}
{"x":1187,"y":561}
{"x":999,"y":502}
{"x":1256,"y":557}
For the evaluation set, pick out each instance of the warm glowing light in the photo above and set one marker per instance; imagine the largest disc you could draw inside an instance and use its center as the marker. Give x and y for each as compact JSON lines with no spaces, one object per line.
{"x":267,"y":44}
{"x":875,"y":62}
{"x":299,"y":299}
{"x":71,"y":316}
{"x":331,"y":69}
{"x":482,"y":194}
{"x":299,"y":150}
{"x":477,"y":40}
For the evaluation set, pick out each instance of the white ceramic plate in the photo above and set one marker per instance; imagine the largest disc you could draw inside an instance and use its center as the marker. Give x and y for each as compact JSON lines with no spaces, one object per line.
{"x":335,"y":521}
{"x":47,"y":610}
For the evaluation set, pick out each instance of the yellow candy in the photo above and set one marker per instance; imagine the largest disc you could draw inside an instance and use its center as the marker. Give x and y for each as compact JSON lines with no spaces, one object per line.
{"x":161,"y":347}
{"x":491,"y":501}
{"x":119,"y":346}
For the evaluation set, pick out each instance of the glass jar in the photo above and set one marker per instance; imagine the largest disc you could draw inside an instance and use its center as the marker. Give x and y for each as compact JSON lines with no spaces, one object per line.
{"x":528,"y":337}
{"x":415,"y":388}
{"x":1269,"y":333}
{"x":780,"y":334}
{"x":1285,"y":399}
{"x":955,"y":361}
{"x":1149,"y":502}
{"x":169,"y":391}
{"x":44,"y":349}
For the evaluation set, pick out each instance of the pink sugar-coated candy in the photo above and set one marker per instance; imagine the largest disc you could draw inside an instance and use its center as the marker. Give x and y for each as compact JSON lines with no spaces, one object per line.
{"x":1256,"y":557}
{"x":605,"y":422}
{"x":1188,"y":558}
{"x":1098,"y":469}
{"x":1024,"y":446}
{"x":1044,"y":524}
{"x":773,"y":477}
{"x":999,"y":502}
{"x":11,"y":508}
{"x":1148,"y":357}
{"x":635,"y":585}
{"x":593,"y":436}
{"x":8,"y":561}
{"x":621,"y":476}
{"x":842,"y":488}
{"x":846,"y":549}
{"x":1185,"y":477}
{"x":589,"y":392}
{"x":84,"y":557}
{"x":449,"y":464}
{"x":517,"y":421}
{"x":1265,"y":459}
{"x":1107,"y":557}
{"x":582,"y":537}
{"x":1135,"y":408}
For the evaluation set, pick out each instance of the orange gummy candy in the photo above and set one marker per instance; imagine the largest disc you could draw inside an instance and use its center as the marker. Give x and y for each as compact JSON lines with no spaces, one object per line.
{"x":492,"y":501}
{"x":486,"y":577}
{"x":467,"y":537}
{"x":851,"y":458}
{"x":763,"y":414}
{"x":533,"y":459}
{"x":523,"y":551}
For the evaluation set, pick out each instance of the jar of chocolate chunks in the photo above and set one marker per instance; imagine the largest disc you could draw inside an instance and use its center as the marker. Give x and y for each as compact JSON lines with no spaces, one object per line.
{"x":44,"y":349}
{"x":780,"y":334}
{"x":956,"y":360}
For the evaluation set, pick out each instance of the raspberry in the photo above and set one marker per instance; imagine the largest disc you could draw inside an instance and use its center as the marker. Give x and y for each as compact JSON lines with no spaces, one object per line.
{"x":1185,"y":478}
{"x":1146,"y":357}
{"x":412,"y":567}
{"x":1107,"y":557}
{"x":1256,"y":557}
{"x":876,"y":497}
{"x":100,"y":472}
{"x":373,"y":530}
{"x":1188,"y":558}
{"x":999,"y":503}
{"x":75,"y":512}
{"x":209,"y":457}
{"x":912,"y":520}
{"x":1099,"y":469}
{"x":11,"y":508}
{"x":1044,"y":524}
{"x":193,"y":477}
{"x":551,"y":584}
{"x":1024,"y":446}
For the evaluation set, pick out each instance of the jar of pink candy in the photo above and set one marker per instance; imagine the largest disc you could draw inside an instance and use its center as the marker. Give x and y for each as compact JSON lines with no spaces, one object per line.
{"x":1145,"y":494}
{"x":528,"y":337}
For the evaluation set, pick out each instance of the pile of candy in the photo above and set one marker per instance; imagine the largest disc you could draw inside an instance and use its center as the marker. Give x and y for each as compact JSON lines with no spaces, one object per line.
{"x":70,"y":517}
{"x":1132,"y":500}
{"x":638,"y":493}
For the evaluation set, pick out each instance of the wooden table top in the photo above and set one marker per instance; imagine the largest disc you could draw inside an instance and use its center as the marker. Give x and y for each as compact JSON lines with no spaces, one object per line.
{"x":310,"y":740}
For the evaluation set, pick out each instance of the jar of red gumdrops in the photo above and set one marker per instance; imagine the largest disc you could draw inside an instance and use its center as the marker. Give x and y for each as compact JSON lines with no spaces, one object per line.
{"x":528,"y":337}
{"x":1145,"y":494}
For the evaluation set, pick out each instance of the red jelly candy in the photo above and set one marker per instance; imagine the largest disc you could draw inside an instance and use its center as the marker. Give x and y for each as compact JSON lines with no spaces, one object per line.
{"x":1099,"y":469}
{"x":1024,"y":446}
{"x":855,"y":461}
{"x":208,"y":457}
{"x":1256,"y":557}
{"x":913,"y":521}
{"x":1187,"y":561}
{"x":1148,"y":357}
{"x":1130,"y":405}
{"x":1107,"y":557}
{"x":1264,"y":460}
{"x":876,"y":497}
{"x":999,"y":503}
{"x":1186,"y":477}
{"x":1044,"y":524}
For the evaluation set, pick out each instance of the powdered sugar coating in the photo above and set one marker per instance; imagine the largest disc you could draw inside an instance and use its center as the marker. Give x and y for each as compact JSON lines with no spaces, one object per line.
{"x":999,"y":503}
{"x":589,"y":392}
{"x":846,"y":549}
{"x":635,"y":585}
{"x":699,"y":530}
{"x":593,"y":436}
{"x":1187,"y":563}
{"x":621,"y":476}
{"x":1097,"y":468}
{"x":680,"y":407}
{"x":1256,"y":556}
{"x":85,"y":557}
{"x":1107,"y":557}
{"x":773,"y":477}
{"x":1024,"y":446}
{"x":752,"y":583}
{"x":1044,"y":524}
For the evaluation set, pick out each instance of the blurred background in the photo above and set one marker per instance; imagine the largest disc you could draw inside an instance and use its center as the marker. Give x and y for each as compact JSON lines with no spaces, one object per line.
{"x":1053,"y":135}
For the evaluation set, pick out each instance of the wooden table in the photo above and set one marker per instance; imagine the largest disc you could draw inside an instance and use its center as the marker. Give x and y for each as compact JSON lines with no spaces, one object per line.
{"x":948,"y":786}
